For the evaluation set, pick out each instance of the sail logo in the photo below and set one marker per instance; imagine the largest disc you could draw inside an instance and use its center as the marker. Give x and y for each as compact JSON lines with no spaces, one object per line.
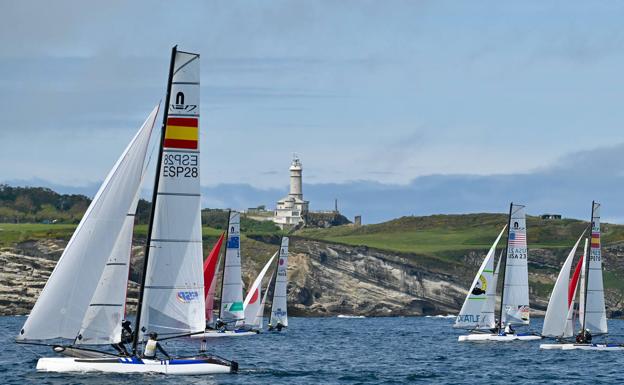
{"x":187,"y":296}
{"x":233,"y":242}
{"x":468,"y":318}
{"x":480,"y":287}
{"x":179,"y":104}
{"x":281,"y":261}
{"x":279,"y":313}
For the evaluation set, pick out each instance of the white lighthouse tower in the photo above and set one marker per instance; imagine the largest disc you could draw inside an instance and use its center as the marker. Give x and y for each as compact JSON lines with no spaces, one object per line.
{"x":291,"y":210}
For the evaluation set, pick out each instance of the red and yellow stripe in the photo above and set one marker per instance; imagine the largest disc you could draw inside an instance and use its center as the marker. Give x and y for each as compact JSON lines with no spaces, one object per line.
{"x":182,"y":133}
{"x":595,"y":240}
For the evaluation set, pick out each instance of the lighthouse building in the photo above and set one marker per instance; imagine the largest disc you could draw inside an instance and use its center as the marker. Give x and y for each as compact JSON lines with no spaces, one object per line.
{"x":292,"y":209}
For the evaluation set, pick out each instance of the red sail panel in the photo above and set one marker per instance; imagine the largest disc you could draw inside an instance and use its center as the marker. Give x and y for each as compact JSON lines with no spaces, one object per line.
{"x":574,"y":281}
{"x":210,"y":270}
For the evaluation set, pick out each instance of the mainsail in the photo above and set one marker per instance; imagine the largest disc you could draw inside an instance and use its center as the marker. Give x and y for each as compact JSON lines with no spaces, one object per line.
{"x":574,"y":284}
{"x":232,"y":284}
{"x":173,"y":285}
{"x":559,"y":304}
{"x":595,"y":311}
{"x":477,"y":312}
{"x":210,"y":278}
{"x":279,"y":313}
{"x":65,"y":299}
{"x":515,"y":302}
{"x":253,"y":300}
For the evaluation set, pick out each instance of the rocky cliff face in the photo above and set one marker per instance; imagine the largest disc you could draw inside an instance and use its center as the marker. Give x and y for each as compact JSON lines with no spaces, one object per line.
{"x":325,"y":279}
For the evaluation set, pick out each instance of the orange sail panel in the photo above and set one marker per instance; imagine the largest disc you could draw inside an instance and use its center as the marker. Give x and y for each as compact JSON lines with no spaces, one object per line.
{"x":210,"y":273}
{"x":181,"y":133}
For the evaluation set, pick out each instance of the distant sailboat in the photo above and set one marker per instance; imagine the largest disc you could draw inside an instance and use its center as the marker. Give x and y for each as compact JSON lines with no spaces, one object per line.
{"x":279,"y":305}
{"x":478,"y":310}
{"x":211,"y":265}
{"x":254,"y":301}
{"x":84,"y":299}
{"x":592,"y":310}
{"x":231,"y":310}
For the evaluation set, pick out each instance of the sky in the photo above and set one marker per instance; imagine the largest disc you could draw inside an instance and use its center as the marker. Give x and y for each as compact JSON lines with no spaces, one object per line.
{"x":395,"y":107}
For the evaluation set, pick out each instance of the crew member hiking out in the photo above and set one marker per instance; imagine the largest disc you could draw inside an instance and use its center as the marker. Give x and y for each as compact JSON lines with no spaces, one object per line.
{"x":151,"y":345}
{"x":126,"y":337}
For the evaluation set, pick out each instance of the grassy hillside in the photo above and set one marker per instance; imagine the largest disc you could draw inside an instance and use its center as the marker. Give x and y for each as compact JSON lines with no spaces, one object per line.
{"x":439,"y":235}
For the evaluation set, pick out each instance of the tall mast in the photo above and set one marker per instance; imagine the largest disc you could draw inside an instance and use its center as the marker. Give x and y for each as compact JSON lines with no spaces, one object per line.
{"x":137,"y":324}
{"x":504,"y":267}
{"x":591,"y":228}
{"x":227,"y":234}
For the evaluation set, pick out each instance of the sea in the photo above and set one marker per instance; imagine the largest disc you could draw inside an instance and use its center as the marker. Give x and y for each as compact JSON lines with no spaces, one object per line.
{"x":397,"y":350}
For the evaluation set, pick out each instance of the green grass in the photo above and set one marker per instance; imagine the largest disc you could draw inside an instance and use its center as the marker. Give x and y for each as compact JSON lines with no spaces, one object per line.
{"x":441,"y":235}
{"x":13,"y":233}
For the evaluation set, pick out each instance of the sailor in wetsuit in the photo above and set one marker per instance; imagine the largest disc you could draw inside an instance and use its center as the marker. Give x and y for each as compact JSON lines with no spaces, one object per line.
{"x":151,"y":345}
{"x":279,"y":327}
{"x":126,"y":337}
{"x":584,"y":337}
{"x":220,"y":325}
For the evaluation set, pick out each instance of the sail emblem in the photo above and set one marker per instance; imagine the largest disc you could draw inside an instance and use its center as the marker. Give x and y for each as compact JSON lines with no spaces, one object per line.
{"x":179,"y":104}
{"x":187,"y":296}
{"x":281,"y":261}
{"x":481,"y":286}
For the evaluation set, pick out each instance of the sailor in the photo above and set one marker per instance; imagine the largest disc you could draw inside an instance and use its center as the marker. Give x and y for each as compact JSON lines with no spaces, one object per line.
{"x":584,"y":337}
{"x":220,"y":325}
{"x":151,"y":345}
{"x":126,"y":337}
{"x":279,"y":326}
{"x":509,"y":329}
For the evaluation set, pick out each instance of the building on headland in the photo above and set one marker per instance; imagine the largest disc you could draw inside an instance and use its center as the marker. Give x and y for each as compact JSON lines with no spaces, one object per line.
{"x":291,"y":210}
{"x":551,"y":216}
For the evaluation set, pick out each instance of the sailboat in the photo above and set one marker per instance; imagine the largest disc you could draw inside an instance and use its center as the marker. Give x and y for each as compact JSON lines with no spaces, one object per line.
{"x":255,"y":301}
{"x":477,"y":313}
{"x":279,"y":305}
{"x":83,"y":301}
{"x":231,"y":310}
{"x":211,"y":265}
{"x":592,"y":310}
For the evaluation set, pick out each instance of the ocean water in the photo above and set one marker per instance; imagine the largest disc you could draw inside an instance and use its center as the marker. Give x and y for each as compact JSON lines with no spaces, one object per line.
{"x":354,"y":351}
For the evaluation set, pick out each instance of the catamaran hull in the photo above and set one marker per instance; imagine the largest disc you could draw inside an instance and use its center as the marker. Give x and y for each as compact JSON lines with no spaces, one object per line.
{"x":227,"y":333}
{"x":497,"y":338}
{"x":608,"y":347}
{"x":133,"y":365}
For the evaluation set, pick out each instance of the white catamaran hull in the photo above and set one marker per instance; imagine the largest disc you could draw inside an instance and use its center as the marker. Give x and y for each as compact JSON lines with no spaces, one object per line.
{"x":607,"y":347}
{"x":133,"y":365}
{"x":483,"y":337}
{"x":227,"y":333}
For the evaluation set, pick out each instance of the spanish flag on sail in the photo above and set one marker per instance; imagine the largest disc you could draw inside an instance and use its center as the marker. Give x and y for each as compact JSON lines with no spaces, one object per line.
{"x":182,"y":133}
{"x":595,"y":240}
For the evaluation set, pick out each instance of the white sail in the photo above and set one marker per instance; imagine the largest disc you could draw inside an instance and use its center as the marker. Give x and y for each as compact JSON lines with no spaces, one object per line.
{"x":60,"y":309}
{"x":232,"y":286}
{"x":583,"y":287}
{"x":254,"y":297}
{"x":569,"y":327}
{"x":260,"y":314}
{"x":516,"y":285}
{"x":488,"y":311}
{"x":558,"y":309}
{"x":102,"y":321}
{"x":173,"y":300}
{"x":279,"y":312}
{"x":596,"y":316}
{"x":476,"y":312}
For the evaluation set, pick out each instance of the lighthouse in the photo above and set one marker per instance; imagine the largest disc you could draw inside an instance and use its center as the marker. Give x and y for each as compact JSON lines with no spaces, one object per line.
{"x":295,"y":179}
{"x":292,"y":209}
